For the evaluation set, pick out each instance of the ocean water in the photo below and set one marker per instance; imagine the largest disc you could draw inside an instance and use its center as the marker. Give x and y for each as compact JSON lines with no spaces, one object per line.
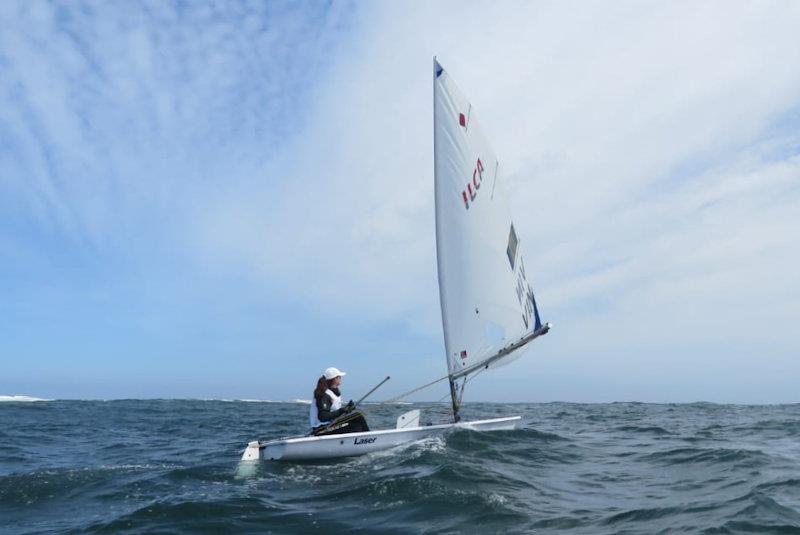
{"x":172,"y":466}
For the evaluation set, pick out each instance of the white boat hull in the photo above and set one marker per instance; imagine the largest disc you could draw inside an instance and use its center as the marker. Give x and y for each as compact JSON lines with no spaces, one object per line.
{"x":350,"y":444}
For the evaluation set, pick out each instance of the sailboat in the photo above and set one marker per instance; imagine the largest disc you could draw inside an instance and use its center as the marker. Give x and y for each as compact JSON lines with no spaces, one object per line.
{"x":489,"y":311}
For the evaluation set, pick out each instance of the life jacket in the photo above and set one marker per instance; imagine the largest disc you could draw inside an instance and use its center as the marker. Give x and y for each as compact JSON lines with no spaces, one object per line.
{"x":313,"y":413}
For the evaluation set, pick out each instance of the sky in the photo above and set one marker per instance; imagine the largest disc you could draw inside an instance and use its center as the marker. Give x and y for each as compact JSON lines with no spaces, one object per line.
{"x":221,"y":199}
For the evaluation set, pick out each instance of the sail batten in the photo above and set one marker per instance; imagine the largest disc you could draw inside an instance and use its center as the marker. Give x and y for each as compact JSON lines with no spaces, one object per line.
{"x":489,"y":312}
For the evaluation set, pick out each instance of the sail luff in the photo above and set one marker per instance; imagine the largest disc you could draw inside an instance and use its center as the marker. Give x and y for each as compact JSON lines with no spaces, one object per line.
{"x":440,"y":271}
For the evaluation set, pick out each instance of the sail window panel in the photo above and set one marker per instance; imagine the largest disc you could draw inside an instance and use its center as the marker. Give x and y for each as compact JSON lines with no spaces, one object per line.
{"x":511,"y":250}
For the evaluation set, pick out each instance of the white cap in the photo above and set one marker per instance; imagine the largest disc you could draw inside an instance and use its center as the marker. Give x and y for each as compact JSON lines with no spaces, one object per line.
{"x":330,"y":373}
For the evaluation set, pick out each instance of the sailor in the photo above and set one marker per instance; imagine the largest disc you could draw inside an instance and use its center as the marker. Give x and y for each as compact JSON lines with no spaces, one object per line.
{"x":327,"y":416}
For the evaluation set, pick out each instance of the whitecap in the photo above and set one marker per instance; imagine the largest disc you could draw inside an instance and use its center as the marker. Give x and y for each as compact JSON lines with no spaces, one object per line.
{"x":22,"y":398}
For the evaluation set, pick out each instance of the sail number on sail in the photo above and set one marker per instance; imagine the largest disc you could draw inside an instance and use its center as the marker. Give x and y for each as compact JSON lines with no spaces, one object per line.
{"x":523,"y":288}
{"x":471,"y":191}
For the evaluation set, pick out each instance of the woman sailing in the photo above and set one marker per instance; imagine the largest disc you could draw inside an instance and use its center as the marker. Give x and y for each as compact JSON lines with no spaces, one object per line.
{"x":327,"y":416}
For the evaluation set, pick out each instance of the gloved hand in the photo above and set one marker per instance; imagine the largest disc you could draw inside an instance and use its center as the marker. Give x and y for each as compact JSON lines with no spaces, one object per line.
{"x":350,"y":407}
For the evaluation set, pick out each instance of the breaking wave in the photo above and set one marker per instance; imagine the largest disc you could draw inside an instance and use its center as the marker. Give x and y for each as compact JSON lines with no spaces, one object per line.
{"x":21,"y":399}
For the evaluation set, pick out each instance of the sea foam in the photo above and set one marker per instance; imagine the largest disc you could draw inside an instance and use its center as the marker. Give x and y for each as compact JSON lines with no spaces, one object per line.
{"x":22,"y":398}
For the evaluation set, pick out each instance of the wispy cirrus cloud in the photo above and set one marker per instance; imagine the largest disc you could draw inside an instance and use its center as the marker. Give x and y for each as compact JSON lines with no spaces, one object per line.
{"x":120,"y":108}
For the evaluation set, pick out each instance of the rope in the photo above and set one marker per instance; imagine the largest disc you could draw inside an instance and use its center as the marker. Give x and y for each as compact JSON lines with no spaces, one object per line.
{"x":405,"y":395}
{"x":470,"y":378}
{"x":415,"y":390}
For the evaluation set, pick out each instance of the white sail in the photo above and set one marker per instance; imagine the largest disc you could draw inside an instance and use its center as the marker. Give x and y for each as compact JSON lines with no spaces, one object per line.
{"x":488,"y":308}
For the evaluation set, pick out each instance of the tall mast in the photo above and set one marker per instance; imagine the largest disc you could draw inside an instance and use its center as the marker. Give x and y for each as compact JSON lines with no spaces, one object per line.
{"x":453,"y":386}
{"x":455,"y":399}
{"x":489,"y":313}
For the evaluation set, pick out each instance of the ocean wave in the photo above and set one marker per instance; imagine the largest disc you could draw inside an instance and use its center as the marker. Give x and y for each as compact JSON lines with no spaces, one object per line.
{"x":649,"y":429}
{"x":21,"y":399}
{"x":741,"y":457}
{"x":26,"y":488}
{"x":215,"y":516}
{"x":763,"y":514}
{"x":790,"y":483}
{"x":416,"y":449}
{"x":171,"y":467}
{"x":784,"y":426}
{"x":250,"y":400}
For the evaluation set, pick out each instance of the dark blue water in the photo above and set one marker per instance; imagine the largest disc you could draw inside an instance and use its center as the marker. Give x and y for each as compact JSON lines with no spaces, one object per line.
{"x":168,"y":466}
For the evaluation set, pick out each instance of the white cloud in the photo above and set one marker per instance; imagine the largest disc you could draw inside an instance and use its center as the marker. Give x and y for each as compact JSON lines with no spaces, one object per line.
{"x":638,"y":143}
{"x":594,"y":110}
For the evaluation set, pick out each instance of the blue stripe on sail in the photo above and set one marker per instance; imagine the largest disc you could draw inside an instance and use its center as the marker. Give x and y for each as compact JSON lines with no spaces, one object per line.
{"x":538,"y":324}
{"x":437,"y":69}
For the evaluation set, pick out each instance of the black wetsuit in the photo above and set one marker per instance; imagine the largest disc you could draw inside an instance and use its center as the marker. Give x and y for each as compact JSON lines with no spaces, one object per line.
{"x":353,"y":422}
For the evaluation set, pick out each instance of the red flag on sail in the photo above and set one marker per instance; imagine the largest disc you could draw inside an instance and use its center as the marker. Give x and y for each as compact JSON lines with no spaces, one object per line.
{"x":464,"y":354}
{"x":462,"y":120}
